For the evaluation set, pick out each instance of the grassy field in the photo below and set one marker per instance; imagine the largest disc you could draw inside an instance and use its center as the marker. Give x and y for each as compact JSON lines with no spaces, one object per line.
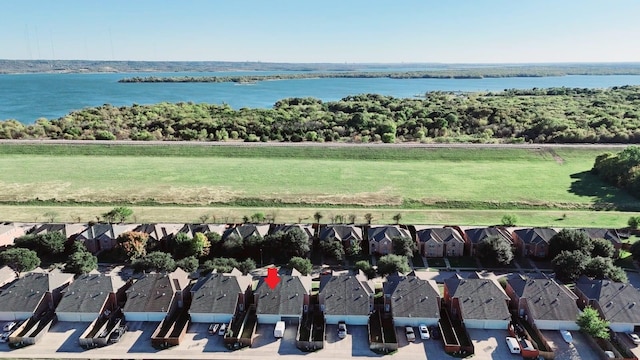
{"x":465,"y":186}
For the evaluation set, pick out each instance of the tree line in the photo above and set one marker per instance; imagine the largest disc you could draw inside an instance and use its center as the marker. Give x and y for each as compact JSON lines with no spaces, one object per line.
{"x":554,"y":115}
{"x":621,"y":170}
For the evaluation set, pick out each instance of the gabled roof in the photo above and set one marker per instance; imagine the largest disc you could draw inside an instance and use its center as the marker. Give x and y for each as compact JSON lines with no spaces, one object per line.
{"x":440,"y":235}
{"x":387,"y":232}
{"x":413,"y":297}
{"x":26,"y":293}
{"x":155,"y":292}
{"x":341,"y":233}
{"x":245,"y":231}
{"x":285,"y":299}
{"x":546,"y":299}
{"x":476,"y":235}
{"x":89,"y":293}
{"x":217,"y":293}
{"x":479,"y":298}
{"x":535,"y":236}
{"x":192,"y":229}
{"x":159,"y":232}
{"x":68,"y":230}
{"x":346,"y":294}
{"x":619,"y":302}
{"x":607,"y":234}
{"x":307,"y":229}
{"x":7,"y":275}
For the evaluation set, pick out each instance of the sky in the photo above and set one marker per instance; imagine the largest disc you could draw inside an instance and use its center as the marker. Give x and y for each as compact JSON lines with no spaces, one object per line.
{"x":312,"y":31}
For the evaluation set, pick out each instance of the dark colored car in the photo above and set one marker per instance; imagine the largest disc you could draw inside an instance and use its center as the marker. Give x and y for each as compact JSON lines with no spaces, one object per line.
{"x":116,"y":335}
{"x":435,"y":332}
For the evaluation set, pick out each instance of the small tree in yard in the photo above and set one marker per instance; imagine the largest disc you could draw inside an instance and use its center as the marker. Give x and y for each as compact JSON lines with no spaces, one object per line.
{"x":591,"y":323}
{"x":397,"y":217}
{"x":368,"y":217}
{"x":404,"y":246}
{"x":354,"y":249}
{"x":81,"y":261}
{"x":119,"y":214}
{"x":51,"y":243}
{"x":603,"y":248}
{"x":570,"y":240}
{"x":301,"y":264}
{"x":157,"y":260}
{"x":634,"y":222}
{"x":317,"y":217}
{"x":392,"y":263}
{"x":20,"y":259}
{"x":188,"y":264}
{"x":366,"y":268}
{"x":509,"y":220}
{"x":333,"y":249}
{"x":495,"y":250}
{"x":133,"y":244}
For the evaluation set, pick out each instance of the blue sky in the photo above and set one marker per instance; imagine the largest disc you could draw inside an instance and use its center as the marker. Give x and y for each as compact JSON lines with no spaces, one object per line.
{"x":448,"y":31}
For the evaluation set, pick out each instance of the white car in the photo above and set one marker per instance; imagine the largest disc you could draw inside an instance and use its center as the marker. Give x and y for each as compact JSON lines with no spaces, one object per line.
{"x":424,"y":332}
{"x":222,"y":329}
{"x":342,"y":330}
{"x":634,"y":338}
{"x":9,"y":326}
{"x":566,"y":336}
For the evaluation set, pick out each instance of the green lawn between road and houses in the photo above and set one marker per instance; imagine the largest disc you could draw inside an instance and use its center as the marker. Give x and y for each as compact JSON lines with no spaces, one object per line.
{"x":426,"y":185}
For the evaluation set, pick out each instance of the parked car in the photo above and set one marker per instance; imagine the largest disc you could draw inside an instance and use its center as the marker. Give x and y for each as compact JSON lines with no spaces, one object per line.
{"x":278,"y":331}
{"x":634,"y":338}
{"x":411,"y":336}
{"x":342,"y":329}
{"x":610,"y":354}
{"x":9,"y":326}
{"x":424,"y":332}
{"x":222,"y":329}
{"x":434,"y":331}
{"x":116,"y":335}
{"x":566,"y":336}
{"x":4,"y":337}
{"x":513,"y":345}
{"x":213,"y":329}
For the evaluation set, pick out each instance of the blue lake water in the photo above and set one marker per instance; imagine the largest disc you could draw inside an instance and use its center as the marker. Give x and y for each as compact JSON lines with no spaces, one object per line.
{"x":27,"y":97}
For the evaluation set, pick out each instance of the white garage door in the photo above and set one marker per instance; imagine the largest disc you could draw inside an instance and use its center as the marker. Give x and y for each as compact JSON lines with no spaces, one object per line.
{"x":77,"y":317}
{"x":137,"y":316}
{"x":210,"y":318}
{"x":486,"y":324}
{"x":349,"y":320}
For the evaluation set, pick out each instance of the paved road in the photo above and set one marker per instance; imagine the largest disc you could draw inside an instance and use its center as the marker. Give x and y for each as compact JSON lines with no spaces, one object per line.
{"x":315,"y":144}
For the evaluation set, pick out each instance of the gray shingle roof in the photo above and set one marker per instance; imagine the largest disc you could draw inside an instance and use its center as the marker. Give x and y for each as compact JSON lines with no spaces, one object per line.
{"x":88,"y":293}
{"x":346,"y":295}
{"x":480,"y":299}
{"x":412,"y":297}
{"x":379,"y":233}
{"x":341,"y":233}
{"x":26,"y":293}
{"x":476,"y":235}
{"x":619,"y":302}
{"x":247,"y":230}
{"x":155,"y":292}
{"x":217,"y":294}
{"x":535,"y":235}
{"x":607,"y":234}
{"x":442,"y":235}
{"x":546,"y":299}
{"x":286,"y":298}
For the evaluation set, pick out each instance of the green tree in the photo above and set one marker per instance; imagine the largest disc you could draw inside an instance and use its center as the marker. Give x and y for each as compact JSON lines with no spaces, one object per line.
{"x":133,"y":244}
{"x":495,"y":250}
{"x":603,"y":248}
{"x":569,"y":265}
{"x":220,"y":264}
{"x":50,"y":243}
{"x":81,"y":262}
{"x":397,"y":217}
{"x":392,"y":263}
{"x":317,"y":217}
{"x":509,"y":220}
{"x":354,"y":249}
{"x":598,"y":267}
{"x":188,"y":264}
{"x":303,"y":265}
{"x":156,"y":260}
{"x":246,"y":266}
{"x":368,"y":217}
{"x":569,"y":240}
{"x":20,"y":259}
{"x":332,"y":249}
{"x":404,"y":246}
{"x":618,"y":274}
{"x":257,"y":217}
{"x":591,"y":323}
{"x":634,"y":222}
{"x":119,"y":214}
{"x":366,"y":268}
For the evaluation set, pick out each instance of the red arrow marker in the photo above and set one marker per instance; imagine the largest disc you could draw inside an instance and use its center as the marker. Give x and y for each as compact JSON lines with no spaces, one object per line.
{"x":273,"y":278}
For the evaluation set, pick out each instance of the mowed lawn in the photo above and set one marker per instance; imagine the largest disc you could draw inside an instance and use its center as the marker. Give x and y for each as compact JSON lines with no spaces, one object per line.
{"x":478,"y":177}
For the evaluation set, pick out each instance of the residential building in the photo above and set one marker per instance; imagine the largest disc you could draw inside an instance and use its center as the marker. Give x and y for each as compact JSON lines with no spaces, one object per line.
{"x":474,"y":236}
{"x":618,"y":303}
{"x":478,"y":303}
{"x":9,"y":232}
{"x":543,"y":302}
{"x":439,"y":242}
{"x":533,"y":242}
{"x":381,"y":238}
{"x":286,"y":301}
{"x":32,"y":294}
{"x":347,"y":298}
{"x":245,"y":231}
{"x":217,"y":297}
{"x":346,"y":234}
{"x":91,"y":295}
{"x":154,"y":295}
{"x":7,"y":275}
{"x":412,"y":301}
{"x":611,"y":235}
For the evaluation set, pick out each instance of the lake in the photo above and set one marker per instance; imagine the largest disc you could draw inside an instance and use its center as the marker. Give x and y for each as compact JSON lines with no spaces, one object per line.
{"x":27,"y":97}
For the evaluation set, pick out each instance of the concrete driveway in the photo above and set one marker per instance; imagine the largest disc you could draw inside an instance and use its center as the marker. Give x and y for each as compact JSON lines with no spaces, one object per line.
{"x":490,"y":344}
{"x":580,"y":349}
